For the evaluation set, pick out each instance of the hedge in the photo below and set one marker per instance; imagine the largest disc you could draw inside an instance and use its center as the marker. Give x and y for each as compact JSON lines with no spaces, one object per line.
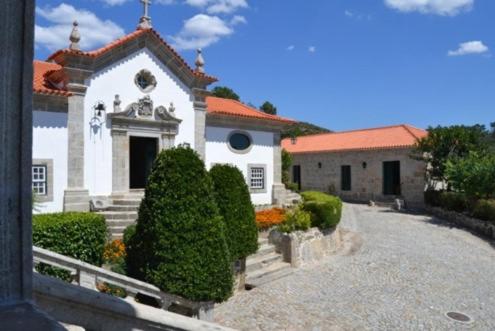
{"x":454,"y":201}
{"x":326,"y":210}
{"x":296,"y":220}
{"x":234,"y":203}
{"x":485,"y":210}
{"x":179,"y":242}
{"x":78,"y":235}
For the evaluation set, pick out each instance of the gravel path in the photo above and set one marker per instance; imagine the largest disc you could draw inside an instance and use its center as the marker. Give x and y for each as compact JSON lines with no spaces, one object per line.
{"x":395,"y":272}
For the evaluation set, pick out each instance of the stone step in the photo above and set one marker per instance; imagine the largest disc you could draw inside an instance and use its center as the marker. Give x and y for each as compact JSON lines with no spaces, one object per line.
{"x":117,"y":222}
{"x":254,"y":264}
{"x":262,"y":241}
{"x":119,"y":215}
{"x":117,"y":229}
{"x":269,"y":274}
{"x":122,"y":208}
{"x":127,"y":202}
{"x":264,"y":249}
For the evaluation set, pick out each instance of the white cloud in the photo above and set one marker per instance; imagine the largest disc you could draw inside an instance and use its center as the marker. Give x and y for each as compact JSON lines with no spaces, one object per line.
{"x":348,"y":13}
{"x":312,"y":49}
{"x":94,"y":31}
{"x":201,"y":31}
{"x":291,"y":48}
{"x":114,"y":2}
{"x":218,"y":6}
{"x":238,"y":19}
{"x":470,"y":47}
{"x":439,"y":7}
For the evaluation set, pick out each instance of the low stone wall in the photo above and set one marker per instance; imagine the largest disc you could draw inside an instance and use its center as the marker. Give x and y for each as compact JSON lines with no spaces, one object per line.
{"x":302,"y":247}
{"x":481,"y":227}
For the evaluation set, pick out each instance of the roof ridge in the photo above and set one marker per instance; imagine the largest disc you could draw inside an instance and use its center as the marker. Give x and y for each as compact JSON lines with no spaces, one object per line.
{"x":247,"y":106}
{"x":128,"y":37}
{"x":351,"y":131}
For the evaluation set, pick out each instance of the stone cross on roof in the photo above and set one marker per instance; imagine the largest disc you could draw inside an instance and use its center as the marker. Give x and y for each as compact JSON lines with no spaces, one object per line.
{"x":145,"y":21}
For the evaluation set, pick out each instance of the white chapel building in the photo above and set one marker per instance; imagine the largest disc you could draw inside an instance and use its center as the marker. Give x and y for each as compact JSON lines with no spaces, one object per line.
{"x":100,"y":118}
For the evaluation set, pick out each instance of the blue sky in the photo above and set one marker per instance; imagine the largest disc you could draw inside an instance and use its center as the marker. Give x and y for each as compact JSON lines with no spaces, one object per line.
{"x":341,"y":64}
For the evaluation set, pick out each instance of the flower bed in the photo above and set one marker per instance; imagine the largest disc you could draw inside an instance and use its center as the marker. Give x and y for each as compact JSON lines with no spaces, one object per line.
{"x":266,"y":219}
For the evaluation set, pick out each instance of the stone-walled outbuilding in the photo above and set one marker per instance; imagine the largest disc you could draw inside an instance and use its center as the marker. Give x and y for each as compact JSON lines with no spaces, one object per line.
{"x":361,"y":165}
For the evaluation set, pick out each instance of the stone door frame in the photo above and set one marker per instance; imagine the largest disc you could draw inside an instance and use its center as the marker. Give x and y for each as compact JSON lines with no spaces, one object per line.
{"x":122,"y":130}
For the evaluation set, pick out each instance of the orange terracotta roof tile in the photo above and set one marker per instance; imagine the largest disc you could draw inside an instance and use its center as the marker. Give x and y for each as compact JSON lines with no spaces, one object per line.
{"x":41,"y":83}
{"x":127,"y":38}
{"x":235,"y":108}
{"x":398,"y":136}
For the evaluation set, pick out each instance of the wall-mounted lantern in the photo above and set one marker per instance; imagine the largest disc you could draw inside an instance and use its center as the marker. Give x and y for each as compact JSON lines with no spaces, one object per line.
{"x":99,"y":109}
{"x":319,"y":165}
{"x":365,"y":165}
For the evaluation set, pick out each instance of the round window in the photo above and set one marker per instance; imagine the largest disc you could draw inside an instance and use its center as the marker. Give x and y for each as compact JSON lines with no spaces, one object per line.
{"x":239,"y":141}
{"x":145,"y":81}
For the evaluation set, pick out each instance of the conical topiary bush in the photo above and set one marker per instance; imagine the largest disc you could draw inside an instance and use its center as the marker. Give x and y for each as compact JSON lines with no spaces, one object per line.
{"x":234,"y":202}
{"x":179,"y":242}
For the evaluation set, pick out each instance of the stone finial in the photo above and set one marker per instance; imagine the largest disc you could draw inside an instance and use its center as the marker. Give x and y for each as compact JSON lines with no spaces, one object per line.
{"x":116,"y":104}
{"x":200,"y":62}
{"x":145,"y":20}
{"x":75,"y":37}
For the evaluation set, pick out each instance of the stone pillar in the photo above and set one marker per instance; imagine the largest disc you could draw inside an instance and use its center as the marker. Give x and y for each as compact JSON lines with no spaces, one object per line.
{"x":76,"y":197}
{"x":200,"y":121}
{"x":120,"y":162}
{"x":16,"y":87}
{"x":279,"y":193}
{"x":277,"y":158}
{"x":168,"y":141}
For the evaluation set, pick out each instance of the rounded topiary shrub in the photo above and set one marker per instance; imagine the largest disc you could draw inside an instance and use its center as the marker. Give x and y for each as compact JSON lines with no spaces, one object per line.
{"x":325,"y":209}
{"x":78,"y":235}
{"x":234,"y":202}
{"x":179,"y":242}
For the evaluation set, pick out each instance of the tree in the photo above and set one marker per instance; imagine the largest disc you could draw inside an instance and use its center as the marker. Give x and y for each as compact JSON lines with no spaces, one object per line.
{"x":234,"y":202}
{"x":286,"y":164}
{"x":444,"y":143}
{"x":473,"y":175}
{"x":179,"y":242}
{"x":225,"y":92}
{"x":269,"y":108}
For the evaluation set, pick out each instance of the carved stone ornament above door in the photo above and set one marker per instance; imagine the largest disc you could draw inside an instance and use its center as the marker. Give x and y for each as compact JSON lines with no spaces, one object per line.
{"x":143,"y":114}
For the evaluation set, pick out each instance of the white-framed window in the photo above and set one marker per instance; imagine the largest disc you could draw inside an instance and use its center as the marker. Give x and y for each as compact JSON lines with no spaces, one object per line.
{"x":40,"y":179}
{"x":257,"y":178}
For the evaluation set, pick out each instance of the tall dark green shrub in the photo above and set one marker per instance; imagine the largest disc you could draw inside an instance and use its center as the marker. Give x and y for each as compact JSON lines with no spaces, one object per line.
{"x":286,"y":165}
{"x":326,"y":210}
{"x":78,"y":235}
{"x":234,"y":202}
{"x":179,"y":242}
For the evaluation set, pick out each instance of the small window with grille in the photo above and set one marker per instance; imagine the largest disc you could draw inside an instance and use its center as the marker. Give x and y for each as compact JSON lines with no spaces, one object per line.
{"x":39,"y":179}
{"x":257,"y":178}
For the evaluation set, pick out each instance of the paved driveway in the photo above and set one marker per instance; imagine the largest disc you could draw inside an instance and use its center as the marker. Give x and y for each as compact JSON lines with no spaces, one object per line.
{"x":395,"y":272}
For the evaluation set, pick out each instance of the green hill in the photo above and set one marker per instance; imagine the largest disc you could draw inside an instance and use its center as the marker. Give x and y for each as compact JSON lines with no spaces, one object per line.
{"x":303,"y":129}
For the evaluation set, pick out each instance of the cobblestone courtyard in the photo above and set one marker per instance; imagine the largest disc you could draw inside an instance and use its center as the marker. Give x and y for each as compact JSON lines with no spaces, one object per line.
{"x":395,"y":272}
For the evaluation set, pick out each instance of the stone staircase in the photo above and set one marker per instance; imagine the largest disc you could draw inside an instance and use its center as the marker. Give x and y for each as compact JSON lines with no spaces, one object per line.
{"x":284,"y":197}
{"x":265,"y":266}
{"x":122,"y":212}
{"x":292,"y":198}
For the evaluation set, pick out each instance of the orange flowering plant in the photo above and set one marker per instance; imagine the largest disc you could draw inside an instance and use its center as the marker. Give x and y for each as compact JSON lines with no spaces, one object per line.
{"x":114,"y":252}
{"x":266,"y":219}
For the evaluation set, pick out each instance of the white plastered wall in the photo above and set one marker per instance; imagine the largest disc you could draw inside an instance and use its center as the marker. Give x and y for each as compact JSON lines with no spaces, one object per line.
{"x":261,"y":153}
{"x":50,"y":142}
{"x":118,"y":78}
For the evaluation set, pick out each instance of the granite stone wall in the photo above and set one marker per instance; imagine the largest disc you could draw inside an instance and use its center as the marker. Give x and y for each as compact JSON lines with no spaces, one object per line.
{"x":321,"y":172}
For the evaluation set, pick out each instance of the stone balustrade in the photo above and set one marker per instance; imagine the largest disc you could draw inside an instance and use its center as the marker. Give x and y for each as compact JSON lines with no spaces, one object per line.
{"x":88,"y":276}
